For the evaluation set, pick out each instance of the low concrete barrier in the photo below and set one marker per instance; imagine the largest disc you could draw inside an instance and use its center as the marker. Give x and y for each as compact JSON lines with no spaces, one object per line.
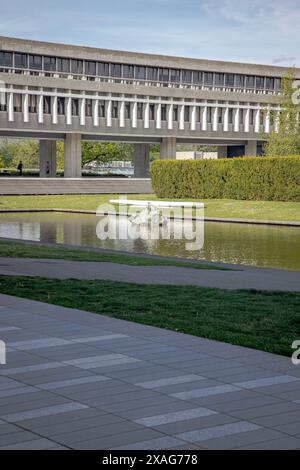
{"x":18,"y":186}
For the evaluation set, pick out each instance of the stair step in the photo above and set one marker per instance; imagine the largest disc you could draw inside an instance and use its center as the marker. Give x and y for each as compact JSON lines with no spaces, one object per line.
{"x":18,"y":186}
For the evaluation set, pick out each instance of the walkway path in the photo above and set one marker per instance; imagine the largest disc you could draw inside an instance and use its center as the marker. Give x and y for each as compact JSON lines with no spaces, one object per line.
{"x":79,"y":380}
{"x":242,"y":278}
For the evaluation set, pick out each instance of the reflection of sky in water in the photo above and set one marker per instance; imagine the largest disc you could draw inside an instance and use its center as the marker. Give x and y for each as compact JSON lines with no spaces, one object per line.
{"x":258,"y":245}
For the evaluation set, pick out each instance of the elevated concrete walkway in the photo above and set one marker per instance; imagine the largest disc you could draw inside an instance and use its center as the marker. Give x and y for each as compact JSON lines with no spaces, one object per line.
{"x":23,"y":185}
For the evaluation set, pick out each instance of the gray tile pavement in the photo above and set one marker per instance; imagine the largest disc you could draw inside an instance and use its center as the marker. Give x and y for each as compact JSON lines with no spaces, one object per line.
{"x":217,"y":431}
{"x":77,"y":380}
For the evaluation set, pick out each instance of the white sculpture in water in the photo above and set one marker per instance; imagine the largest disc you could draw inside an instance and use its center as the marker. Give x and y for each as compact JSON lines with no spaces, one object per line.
{"x":150,"y":214}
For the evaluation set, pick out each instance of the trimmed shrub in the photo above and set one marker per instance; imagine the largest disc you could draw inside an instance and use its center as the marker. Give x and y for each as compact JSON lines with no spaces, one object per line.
{"x":251,"y":178}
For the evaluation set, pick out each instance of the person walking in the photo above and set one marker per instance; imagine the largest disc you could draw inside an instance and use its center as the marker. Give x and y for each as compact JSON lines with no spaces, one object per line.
{"x":20,"y":168}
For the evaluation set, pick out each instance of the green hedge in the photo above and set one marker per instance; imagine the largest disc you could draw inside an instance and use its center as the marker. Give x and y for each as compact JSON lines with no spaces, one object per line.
{"x":260,"y":178}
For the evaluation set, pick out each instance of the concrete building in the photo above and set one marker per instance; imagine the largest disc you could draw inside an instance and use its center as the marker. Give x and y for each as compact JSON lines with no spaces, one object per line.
{"x":196,"y":155}
{"x":55,"y":91}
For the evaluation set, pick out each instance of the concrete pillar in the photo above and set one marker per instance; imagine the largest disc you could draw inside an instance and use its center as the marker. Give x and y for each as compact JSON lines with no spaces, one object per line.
{"x":193,"y":118}
{"x":82,"y":111}
{"x":181,"y":117}
{"x":108,"y":113}
{"x":215,"y":119}
{"x":257,"y":120}
{"x":247,"y":120}
{"x":251,"y":148}
{"x":134,"y":115}
{"x":122,"y":114}
{"x":25,"y":104}
{"x":72,"y":157}
{"x":54,"y":109}
{"x":204,"y":118}
{"x":158,"y":116}
{"x":222,"y":152}
{"x":146,"y":115}
{"x":170,"y":116}
{"x":141,"y":160}
{"x":47,"y":158}
{"x":267,"y":122}
{"x":168,"y":148}
{"x":96,"y":112}
{"x":69,"y":110}
{"x":11,"y":107}
{"x":226,"y":120}
{"x":40,"y":105}
{"x":236,"y":120}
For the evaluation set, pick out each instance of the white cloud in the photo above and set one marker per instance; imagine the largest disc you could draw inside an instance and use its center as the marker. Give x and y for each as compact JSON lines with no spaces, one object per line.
{"x":270,"y":16}
{"x":282,"y":60}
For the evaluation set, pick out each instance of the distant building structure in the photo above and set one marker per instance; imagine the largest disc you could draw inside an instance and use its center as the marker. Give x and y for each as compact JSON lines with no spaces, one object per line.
{"x":61,"y":92}
{"x":196,"y":155}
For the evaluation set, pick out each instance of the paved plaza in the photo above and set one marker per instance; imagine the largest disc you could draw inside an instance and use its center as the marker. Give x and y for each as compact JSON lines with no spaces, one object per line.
{"x":78,"y":380}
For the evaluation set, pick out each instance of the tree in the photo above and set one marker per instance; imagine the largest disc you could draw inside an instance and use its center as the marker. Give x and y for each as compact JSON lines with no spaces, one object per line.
{"x":60,"y":155}
{"x":12,"y":151}
{"x":285,"y":140}
{"x":154,"y":152}
{"x":105,"y":152}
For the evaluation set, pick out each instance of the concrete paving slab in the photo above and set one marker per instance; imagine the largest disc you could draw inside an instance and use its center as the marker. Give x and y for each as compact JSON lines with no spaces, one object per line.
{"x":121,"y":385}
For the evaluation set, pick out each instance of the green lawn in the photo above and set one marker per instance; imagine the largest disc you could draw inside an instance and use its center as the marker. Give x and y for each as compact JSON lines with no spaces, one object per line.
{"x":225,"y":208}
{"x":38,"y":250}
{"x":268,"y":321}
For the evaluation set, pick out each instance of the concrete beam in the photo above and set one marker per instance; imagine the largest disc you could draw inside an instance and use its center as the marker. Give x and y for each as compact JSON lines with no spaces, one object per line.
{"x":19,"y":134}
{"x":133,"y":139}
{"x":218,"y":140}
{"x":168,"y":148}
{"x":47,"y":158}
{"x":72,"y":157}
{"x":141,"y":159}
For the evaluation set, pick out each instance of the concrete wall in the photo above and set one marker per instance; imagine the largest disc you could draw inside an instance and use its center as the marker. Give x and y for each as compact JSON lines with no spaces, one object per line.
{"x":199,"y":155}
{"x":15,"y":186}
{"x":186,"y":155}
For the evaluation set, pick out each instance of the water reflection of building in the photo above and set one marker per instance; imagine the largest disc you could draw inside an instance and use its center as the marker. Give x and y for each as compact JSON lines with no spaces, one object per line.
{"x":72,"y":232}
{"x":21,"y":230}
{"x":47,"y":232}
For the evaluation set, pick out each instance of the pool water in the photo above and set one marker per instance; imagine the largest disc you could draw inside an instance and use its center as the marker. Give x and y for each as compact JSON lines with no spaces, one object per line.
{"x":249,"y":244}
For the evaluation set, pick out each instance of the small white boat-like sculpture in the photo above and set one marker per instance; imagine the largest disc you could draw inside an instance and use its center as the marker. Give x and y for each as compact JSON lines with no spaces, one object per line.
{"x":150,"y":215}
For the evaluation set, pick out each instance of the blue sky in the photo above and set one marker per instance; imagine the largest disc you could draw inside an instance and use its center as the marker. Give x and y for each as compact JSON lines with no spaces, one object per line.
{"x":257,"y":31}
